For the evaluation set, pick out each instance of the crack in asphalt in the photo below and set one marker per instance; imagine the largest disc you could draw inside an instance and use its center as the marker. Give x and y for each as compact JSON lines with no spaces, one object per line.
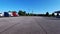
{"x":40,"y":25}
{"x":9,"y":27}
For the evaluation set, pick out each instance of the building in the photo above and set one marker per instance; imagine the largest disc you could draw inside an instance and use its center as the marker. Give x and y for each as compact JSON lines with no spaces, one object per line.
{"x":57,"y":13}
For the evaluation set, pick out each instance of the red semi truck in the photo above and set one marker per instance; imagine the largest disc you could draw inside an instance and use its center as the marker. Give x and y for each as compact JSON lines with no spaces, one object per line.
{"x":14,"y":14}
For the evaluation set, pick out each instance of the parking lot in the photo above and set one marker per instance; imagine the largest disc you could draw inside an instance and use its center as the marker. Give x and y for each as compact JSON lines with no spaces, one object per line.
{"x":29,"y":25}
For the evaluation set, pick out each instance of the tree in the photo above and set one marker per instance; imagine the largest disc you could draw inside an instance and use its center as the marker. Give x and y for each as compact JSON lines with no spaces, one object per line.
{"x":47,"y":14}
{"x":9,"y":11}
{"x":27,"y":14}
{"x":22,"y":13}
{"x":53,"y":14}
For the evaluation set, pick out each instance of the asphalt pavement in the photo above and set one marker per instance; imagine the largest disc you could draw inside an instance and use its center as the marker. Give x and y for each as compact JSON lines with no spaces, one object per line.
{"x":29,"y":25}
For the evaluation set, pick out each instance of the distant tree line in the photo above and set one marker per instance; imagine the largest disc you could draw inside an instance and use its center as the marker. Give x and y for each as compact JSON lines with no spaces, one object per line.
{"x":47,"y":14}
{"x":23,"y":13}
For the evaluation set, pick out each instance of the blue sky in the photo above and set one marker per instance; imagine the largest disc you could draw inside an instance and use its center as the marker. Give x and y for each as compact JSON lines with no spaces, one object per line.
{"x":37,"y":6}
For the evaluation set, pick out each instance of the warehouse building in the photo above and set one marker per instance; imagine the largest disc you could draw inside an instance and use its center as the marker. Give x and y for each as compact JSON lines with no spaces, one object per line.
{"x":57,"y":13}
